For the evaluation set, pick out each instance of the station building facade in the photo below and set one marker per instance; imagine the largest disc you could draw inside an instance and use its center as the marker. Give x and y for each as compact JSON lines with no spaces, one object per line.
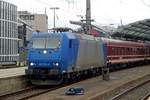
{"x":8,"y":33}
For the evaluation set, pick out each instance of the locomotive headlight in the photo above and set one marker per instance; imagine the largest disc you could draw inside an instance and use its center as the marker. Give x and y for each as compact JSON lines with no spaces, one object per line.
{"x":64,"y":71}
{"x":45,"y":51}
{"x":57,"y":64}
{"x":31,"y":64}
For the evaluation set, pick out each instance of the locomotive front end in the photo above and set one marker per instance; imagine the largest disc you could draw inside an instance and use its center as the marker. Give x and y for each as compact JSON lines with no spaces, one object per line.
{"x":44,"y":59}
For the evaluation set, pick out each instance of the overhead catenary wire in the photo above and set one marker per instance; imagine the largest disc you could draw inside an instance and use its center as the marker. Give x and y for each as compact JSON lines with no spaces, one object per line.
{"x":148,"y":5}
{"x":61,"y":8}
{"x":73,"y":9}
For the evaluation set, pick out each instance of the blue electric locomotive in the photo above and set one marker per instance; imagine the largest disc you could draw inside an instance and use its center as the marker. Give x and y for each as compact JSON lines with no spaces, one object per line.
{"x":47,"y":58}
{"x":55,"y":56}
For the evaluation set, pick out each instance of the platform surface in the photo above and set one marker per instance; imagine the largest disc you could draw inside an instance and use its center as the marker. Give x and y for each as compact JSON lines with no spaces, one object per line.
{"x":10,"y":72}
{"x":96,"y":85}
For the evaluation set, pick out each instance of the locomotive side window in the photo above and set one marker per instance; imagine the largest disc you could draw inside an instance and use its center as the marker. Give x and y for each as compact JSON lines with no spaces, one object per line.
{"x":70,"y":43}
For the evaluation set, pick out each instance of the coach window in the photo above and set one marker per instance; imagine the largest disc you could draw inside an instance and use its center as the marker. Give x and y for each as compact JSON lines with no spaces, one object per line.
{"x":120,"y":50}
{"x":138,"y":51}
{"x":146,"y":50}
{"x":128,"y":51}
{"x":70,"y":43}
{"x":133,"y":51}
{"x":124,"y":51}
{"x":113,"y":51}
{"x":116,"y":51}
{"x":141,"y":51}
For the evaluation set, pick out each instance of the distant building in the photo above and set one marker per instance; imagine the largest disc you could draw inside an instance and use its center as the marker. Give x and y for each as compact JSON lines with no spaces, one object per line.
{"x":24,"y":31}
{"x":38,"y":22}
{"x":8,"y":33}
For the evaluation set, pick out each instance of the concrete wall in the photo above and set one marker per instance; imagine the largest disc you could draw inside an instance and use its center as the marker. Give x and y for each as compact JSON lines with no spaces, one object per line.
{"x":12,"y":84}
{"x":41,"y":23}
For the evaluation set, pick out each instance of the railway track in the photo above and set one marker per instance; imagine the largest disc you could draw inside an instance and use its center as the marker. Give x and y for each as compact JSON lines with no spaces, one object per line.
{"x":138,"y":92}
{"x":38,"y":90}
{"x":34,"y":91}
{"x":146,"y":97}
{"x":28,"y":93}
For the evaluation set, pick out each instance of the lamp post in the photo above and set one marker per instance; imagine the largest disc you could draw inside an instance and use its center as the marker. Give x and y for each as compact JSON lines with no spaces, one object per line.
{"x":88,"y":16}
{"x":54,"y":8}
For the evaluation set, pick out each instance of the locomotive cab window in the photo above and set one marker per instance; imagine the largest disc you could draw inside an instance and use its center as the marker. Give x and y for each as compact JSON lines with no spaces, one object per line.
{"x":46,"y":42}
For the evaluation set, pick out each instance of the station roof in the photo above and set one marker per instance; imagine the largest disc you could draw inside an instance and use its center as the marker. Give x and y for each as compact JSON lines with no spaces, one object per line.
{"x":139,"y":30}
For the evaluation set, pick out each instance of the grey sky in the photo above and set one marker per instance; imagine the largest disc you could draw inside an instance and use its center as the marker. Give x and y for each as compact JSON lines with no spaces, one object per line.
{"x":103,"y":11}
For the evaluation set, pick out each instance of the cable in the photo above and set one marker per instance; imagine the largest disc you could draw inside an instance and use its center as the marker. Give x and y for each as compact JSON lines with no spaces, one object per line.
{"x":148,"y":5}
{"x":43,"y":3}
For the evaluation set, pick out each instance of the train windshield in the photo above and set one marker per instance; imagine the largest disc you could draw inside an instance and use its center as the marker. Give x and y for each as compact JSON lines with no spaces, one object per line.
{"x":46,"y":42}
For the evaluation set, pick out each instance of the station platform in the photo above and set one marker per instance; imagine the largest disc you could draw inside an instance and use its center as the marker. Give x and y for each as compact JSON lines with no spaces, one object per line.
{"x":96,"y":88}
{"x":11,"y":72}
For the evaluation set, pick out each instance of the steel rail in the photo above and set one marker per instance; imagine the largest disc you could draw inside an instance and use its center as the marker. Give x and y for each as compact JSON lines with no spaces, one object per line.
{"x":117,"y":97}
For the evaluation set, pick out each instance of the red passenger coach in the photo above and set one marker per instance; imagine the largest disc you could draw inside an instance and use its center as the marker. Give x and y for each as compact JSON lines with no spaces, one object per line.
{"x":147,"y":51}
{"x":126,"y":51}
